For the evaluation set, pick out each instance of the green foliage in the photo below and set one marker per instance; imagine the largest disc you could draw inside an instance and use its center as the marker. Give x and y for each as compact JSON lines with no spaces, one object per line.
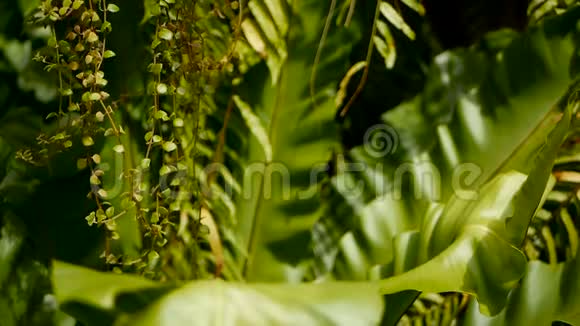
{"x":302,"y":135}
{"x":384,"y":41}
{"x":198,"y":146}
{"x":540,"y":9}
{"x":457,"y":120}
{"x":259,"y":304}
{"x":24,"y":279}
{"x":71,"y":285}
{"x":546,"y":294}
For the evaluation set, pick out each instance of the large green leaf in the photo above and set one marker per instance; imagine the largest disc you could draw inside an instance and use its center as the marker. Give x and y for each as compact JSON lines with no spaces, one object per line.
{"x":472,"y":245}
{"x":73,"y":283}
{"x":221,"y":303}
{"x":295,"y":137}
{"x":215,"y":302}
{"x":461,"y":172}
{"x":547,"y":293}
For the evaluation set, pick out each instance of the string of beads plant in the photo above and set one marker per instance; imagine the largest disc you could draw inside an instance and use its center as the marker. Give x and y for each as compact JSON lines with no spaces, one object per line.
{"x":191,"y":46}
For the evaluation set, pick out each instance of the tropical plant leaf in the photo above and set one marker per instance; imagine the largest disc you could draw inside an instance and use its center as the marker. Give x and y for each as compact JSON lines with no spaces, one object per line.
{"x":255,"y":126}
{"x":385,"y":44}
{"x":384,"y":41}
{"x":540,"y":9}
{"x":280,"y":200}
{"x":80,"y":284}
{"x":460,"y":130}
{"x":217,"y":302}
{"x":415,"y":5}
{"x":557,"y":280}
{"x":220,"y":303}
{"x":462,"y":237}
{"x":266,"y":31}
{"x":438,"y":151}
{"x":391,"y":14}
{"x":547,"y":293}
{"x":485,"y":245}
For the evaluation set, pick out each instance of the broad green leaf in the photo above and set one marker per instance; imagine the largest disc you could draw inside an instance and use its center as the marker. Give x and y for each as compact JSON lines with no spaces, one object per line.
{"x":218,"y":302}
{"x":471,"y":237}
{"x":221,"y":303}
{"x":547,"y":293}
{"x":481,"y":231}
{"x":480,"y":118}
{"x":80,"y":284}
{"x":467,"y":144}
{"x":476,"y":250}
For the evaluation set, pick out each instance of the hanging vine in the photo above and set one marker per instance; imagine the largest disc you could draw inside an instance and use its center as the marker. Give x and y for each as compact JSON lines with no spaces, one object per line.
{"x":191,"y":46}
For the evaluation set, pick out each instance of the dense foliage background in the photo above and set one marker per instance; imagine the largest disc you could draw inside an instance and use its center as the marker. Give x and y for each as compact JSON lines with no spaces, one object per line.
{"x":281,"y":162}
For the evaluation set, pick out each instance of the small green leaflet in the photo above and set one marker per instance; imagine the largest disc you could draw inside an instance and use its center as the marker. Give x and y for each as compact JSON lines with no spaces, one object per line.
{"x":255,"y":125}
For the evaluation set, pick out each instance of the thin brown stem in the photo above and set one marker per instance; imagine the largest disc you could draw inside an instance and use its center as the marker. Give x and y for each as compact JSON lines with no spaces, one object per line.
{"x":368,"y":59}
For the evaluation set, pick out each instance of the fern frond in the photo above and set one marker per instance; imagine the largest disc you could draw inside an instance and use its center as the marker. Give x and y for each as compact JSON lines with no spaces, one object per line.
{"x":540,"y":9}
{"x":266,"y":32}
{"x":384,"y":40}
